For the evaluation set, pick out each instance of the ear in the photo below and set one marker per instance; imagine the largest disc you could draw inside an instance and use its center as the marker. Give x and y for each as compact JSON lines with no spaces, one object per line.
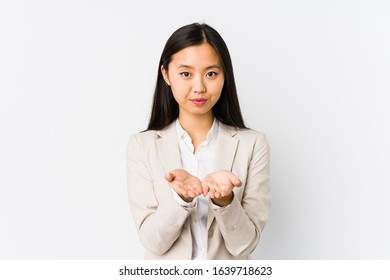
{"x":164,"y":73}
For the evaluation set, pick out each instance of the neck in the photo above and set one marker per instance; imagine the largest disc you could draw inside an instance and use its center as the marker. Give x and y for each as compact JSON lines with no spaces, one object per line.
{"x":198,"y":125}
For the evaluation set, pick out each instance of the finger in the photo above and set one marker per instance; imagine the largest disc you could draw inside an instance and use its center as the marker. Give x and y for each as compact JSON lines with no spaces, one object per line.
{"x":199,"y":189}
{"x":235,"y":181}
{"x":212,"y":190}
{"x":217,"y":194}
{"x":184,"y":193}
{"x":225,"y":187}
{"x":169,"y":177}
{"x":178,"y":173}
{"x":180,"y":190}
{"x":191,"y":190}
{"x":192,"y":194}
{"x":205,"y":188}
{"x":226,"y":192}
{"x":183,"y":190}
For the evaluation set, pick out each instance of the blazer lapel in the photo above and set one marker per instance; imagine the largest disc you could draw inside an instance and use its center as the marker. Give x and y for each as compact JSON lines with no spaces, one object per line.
{"x":226,"y":148}
{"x":224,"y":156}
{"x":168,"y":147}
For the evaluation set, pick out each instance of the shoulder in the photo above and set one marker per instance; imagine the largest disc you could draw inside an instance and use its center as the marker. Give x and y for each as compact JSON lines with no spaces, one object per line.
{"x":149,"y":137}
{"x":245,"y":134}
{"x":251,"y":145}
{"x":253,"y":140}
{"x":250,"y":133}
{"x":142,"y":141}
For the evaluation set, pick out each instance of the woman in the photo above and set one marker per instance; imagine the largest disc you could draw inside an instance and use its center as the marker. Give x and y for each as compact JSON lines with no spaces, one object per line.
{"x":198,"y":179}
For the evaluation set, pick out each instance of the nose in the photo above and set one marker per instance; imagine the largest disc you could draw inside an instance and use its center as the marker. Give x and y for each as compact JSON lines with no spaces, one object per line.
{"x":199,"y":86}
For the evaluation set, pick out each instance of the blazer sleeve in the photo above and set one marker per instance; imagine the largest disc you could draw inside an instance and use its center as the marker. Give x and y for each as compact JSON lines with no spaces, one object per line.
{"x":242,"y":222}
{"x":159,"y":221}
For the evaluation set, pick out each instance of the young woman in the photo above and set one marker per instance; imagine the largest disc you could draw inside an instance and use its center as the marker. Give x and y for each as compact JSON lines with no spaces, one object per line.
{"x":198,"y":179}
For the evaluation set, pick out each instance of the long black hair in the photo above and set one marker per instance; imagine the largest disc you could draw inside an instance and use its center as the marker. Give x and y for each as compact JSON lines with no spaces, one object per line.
{"x":165,"y":108}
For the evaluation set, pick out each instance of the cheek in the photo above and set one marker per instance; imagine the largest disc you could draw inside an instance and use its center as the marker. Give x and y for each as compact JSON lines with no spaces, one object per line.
{"x":178,"y":93}
{"x":179,"y":90}
{"x":217,"y":90}
{"x":216,"y":98}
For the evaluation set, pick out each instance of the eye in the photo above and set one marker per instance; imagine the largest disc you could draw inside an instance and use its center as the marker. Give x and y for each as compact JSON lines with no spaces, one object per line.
{"x":211,"y":74}
{"x":185,"y":74}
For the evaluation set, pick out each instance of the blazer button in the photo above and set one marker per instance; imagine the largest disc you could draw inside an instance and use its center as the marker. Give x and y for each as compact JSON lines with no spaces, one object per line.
{"x":231,"y":228}
{"x":211,"y":233}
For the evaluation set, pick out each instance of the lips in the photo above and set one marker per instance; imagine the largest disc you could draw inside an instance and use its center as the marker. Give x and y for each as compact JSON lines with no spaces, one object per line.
{"x":198,"y":101}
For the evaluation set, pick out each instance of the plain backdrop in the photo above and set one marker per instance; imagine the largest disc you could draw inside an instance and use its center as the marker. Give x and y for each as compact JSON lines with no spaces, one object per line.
{"x":76,"y":80}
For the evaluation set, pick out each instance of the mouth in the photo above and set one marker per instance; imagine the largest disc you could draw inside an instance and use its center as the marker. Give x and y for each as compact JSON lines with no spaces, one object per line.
{"x":198,"y":101}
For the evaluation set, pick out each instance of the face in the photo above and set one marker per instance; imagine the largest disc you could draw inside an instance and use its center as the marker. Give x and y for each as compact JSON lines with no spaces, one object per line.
{"x":196,"y":78}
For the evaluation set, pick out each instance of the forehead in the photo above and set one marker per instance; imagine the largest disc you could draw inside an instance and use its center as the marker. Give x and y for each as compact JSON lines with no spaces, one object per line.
{"x":202,"y":55}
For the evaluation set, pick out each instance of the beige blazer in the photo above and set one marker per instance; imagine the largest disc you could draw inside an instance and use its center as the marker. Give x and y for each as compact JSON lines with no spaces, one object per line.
{"x":163,"y":225}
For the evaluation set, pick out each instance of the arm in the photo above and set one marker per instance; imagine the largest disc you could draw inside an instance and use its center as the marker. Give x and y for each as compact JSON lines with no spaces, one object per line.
{"x":159,"y":222}
{"x":242,"y":222}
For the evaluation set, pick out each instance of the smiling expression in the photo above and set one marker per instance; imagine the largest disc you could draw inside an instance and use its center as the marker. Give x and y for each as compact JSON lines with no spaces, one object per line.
{"x":196,"y":79}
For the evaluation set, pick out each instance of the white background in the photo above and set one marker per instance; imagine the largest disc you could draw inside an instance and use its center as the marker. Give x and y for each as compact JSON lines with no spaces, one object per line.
{"x":76,"y":79}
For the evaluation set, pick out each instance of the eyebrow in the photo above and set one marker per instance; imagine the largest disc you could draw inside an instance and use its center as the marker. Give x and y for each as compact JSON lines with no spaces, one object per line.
{"x":208,"y":67}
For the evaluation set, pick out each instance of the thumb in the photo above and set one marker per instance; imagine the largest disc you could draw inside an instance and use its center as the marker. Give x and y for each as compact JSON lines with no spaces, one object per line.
{"x":235,"y":181}
{"x":169,"y":176}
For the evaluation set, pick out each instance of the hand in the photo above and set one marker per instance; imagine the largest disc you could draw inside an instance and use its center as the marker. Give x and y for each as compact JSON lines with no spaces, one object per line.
{"x":184,"y":184}
{"x":220,"y":185}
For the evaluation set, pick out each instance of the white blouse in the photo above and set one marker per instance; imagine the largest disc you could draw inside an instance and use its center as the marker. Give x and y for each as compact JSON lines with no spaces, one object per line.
{"x":200,"y":165}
